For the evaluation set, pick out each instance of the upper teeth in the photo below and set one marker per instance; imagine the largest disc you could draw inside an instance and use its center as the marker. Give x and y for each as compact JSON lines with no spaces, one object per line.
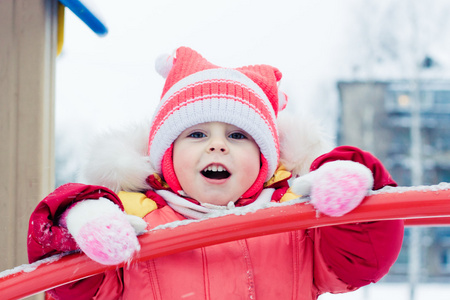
{"x":214,"y":168}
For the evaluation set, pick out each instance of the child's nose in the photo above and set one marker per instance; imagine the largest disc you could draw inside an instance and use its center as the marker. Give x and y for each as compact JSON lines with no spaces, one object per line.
{"x":221,"y":149}
{"x":217,"y":145}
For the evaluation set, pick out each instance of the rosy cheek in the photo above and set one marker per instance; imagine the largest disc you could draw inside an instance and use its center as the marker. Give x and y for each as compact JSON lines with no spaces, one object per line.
{"x":251,"y":169}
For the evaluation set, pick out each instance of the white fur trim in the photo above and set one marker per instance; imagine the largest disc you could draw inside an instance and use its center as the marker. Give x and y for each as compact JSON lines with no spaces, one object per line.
{"x":301,"y":141}
{"x":85,"y":211}
{"x":118,"y":159}
{"x":303,"y":184}
{"x":137,"y":223}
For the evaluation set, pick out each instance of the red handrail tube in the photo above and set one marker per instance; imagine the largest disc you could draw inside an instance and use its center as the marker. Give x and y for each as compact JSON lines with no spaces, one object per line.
{"x":416,"y":207}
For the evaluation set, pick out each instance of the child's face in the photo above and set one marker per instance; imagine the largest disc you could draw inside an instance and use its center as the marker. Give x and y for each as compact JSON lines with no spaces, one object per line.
{"x":215,"y":162}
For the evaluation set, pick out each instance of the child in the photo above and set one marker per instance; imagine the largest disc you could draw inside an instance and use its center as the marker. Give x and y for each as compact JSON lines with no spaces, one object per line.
{"x":215,"y":144}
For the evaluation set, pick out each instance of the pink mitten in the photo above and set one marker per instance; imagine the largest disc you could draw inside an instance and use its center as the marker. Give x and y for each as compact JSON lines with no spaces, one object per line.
{"x":102,"y":231}
{"x":336,"y":187}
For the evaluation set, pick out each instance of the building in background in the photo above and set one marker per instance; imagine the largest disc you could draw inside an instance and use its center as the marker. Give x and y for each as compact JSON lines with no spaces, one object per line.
{"x":376,"y":116}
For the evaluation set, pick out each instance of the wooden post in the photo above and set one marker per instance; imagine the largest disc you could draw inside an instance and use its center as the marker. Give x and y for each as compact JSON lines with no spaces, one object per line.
{"x":28,"y":30}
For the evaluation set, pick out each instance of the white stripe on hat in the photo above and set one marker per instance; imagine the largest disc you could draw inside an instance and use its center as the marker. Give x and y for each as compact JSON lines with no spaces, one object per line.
{"x":219,"y":109}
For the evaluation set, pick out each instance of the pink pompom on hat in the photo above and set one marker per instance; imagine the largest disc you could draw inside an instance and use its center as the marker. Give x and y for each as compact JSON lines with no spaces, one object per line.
{"x":197,"y":91}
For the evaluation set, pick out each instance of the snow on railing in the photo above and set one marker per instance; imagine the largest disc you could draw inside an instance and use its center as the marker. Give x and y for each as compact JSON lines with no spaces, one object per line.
{"x":417,"y":206}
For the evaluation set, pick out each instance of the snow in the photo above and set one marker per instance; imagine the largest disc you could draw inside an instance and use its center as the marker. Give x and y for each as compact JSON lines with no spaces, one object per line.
{"x":252,"y":208}
{"x":443,"y":186}
{"x":31,"y":267}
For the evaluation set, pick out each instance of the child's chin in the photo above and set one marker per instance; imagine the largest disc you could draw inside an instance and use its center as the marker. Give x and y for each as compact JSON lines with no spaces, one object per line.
{"x":218,"y":201}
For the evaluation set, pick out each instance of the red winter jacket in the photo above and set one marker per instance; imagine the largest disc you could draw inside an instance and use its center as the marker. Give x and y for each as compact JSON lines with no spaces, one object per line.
{"x":294,"y":265}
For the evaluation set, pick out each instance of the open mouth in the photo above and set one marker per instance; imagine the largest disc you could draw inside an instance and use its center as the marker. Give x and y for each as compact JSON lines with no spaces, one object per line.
{"x":215,"y":172}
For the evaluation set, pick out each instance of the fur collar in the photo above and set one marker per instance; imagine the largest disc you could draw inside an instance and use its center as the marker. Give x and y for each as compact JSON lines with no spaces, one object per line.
{"x":118,"y":160}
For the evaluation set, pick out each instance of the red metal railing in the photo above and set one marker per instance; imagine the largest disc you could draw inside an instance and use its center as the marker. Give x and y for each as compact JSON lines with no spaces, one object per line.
{"x":431,"y":207}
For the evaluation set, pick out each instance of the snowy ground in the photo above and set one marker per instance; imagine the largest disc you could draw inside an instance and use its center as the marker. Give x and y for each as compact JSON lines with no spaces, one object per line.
{"x":397,"y":291}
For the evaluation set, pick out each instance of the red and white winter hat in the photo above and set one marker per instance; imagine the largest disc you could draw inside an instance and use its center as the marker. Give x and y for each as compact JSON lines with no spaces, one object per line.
{"x":197,"y":91}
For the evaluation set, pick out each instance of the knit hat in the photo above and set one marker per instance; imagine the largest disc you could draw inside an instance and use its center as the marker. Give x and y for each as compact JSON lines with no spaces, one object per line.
{"x":197,"y":91}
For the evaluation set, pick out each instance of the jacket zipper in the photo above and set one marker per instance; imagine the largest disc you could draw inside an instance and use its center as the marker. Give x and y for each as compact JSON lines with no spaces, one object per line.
{"x":205,"y":274}
{"x":153,"y":279}
{"x":250,"y":272}
{"x":295,"y":262}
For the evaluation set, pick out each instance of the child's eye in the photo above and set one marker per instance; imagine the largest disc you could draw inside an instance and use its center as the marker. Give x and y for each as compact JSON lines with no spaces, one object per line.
{"x":197,"y":135}
{"x":237,"y":136}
